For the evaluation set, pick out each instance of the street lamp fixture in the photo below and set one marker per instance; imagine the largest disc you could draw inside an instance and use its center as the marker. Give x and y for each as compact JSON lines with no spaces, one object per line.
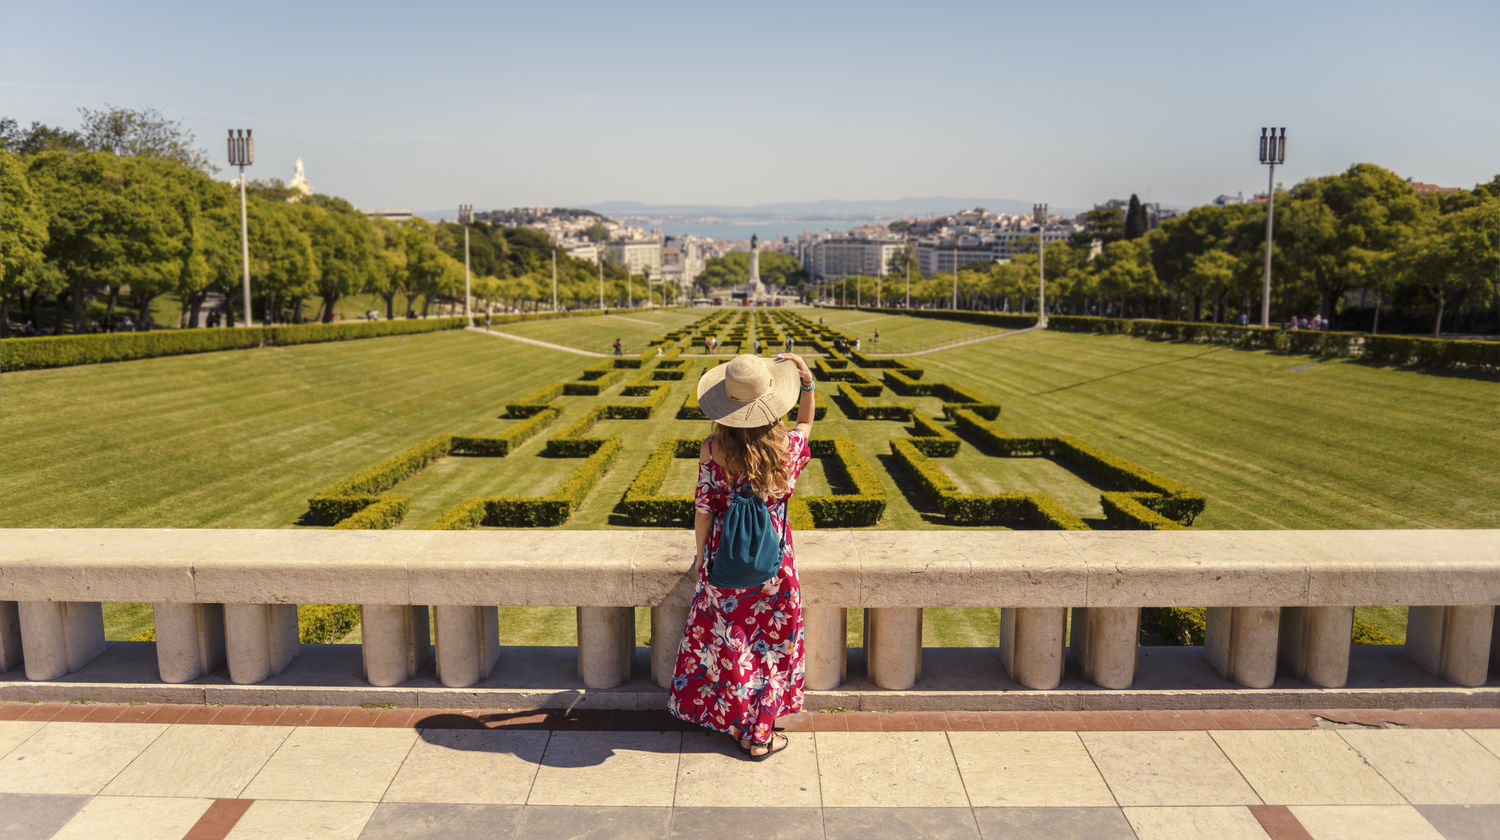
{"x":1272,"y":152}
{"x":1039,"y":215}
{"x":466,"y":218}
{"x":242,"y":154}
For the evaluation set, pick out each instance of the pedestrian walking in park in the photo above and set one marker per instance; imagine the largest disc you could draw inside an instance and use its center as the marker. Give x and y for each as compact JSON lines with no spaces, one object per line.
{"x":877,"y":336}
{"x":787,"y":345}
{"x":617,"y":347}
{"x":740,"y":661}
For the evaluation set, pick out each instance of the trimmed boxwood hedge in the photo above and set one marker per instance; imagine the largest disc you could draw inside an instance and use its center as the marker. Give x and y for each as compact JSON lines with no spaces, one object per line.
{"x":384,"y":514}
{"x":534,"y":511}
{"x":1034,"y":511}
{"x":643,"y":503}
{"x":338,"y":502}
{"x":856,"y":407}
{"x":66,"y":350}
{"x":1459,"y":354}
{"x":534,"y":401}
{"x":1149,"y":489}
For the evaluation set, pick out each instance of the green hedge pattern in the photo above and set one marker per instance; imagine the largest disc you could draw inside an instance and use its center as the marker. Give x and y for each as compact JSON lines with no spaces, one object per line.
{"x":67,"y":350}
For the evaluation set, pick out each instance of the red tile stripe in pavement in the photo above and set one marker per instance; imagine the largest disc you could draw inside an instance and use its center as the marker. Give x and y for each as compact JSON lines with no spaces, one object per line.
{"x":656,"y":720}
{"x":1280,"y":822}
{"x":219,"y":819}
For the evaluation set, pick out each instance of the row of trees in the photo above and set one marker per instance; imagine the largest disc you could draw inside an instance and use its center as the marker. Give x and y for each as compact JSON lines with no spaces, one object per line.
{"x":733,"y":269}
{"x":122,"y":212}
{"x":1359,"y":248}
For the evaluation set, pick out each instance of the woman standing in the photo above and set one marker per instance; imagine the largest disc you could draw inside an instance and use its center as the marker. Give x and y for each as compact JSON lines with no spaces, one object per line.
{"x":739,"y":665}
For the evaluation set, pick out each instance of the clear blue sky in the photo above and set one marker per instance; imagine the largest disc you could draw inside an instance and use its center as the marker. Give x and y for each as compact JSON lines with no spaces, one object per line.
{"x":500,"y":104}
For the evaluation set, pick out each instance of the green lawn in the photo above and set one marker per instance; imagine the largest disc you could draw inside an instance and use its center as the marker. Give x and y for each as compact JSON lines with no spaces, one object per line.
{"x":241,"y":439}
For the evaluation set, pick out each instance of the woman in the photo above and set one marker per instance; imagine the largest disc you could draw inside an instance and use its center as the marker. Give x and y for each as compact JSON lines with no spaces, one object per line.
{"x":739,"y":665}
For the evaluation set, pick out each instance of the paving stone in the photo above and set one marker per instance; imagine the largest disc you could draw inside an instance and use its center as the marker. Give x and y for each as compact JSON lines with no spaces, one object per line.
{"x":1028,"y":769}
{"x":1217,"y":822}
{"x":748,"y":823}
{"x":135,"y":817}
{"x":1431,"y":766}
{"x":1490,"y":738}
{"x":711,"y":772}
{"x":14,"y":732}
{"x":1032,"y":823}
{"x":344,"y":764}
{"x":494,"y":767}
{"x":594,"y":823}
{"x":36,"y":816}
{"x":607,"y":768}
{"x":74,"y":757}
{"x":899,"y":823}
{"x":1365,"y":822}
{"x":1463,"y":822}
{"x":1167,"y":768}
{"x":1305,"y":767}
{"x":430,"y":821}
{"x":866,"y":769}
{"x":272,"y":820}
{"x":206,"y":761}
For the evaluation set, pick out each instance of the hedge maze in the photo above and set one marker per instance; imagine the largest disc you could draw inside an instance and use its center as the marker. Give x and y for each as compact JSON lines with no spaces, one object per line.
{"x":636,"y":387}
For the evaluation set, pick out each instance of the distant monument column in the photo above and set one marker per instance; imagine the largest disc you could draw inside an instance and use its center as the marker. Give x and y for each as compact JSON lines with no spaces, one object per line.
{"x":754,"y":289}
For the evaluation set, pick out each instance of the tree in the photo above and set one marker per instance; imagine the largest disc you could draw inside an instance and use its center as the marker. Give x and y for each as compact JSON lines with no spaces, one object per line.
{"x":143,"y":132}
{"x":1455,"y":259}
{"x":1135,"y":218}
{"x":596,"y":232}
{"x":342,"y":243}
{"x":37,"y":138}
{"x":1105,"y":224}
{"x":23,"y":237}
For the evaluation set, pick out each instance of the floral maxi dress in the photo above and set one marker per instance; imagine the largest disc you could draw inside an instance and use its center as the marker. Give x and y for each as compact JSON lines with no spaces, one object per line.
{"x":740,"y":664}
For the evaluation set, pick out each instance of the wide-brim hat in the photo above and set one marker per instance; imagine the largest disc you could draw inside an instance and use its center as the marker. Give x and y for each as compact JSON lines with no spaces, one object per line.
{"x":748,"y":391}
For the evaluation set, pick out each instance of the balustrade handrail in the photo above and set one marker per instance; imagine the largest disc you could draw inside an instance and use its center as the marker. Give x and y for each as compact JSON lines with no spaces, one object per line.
{"x":838,"y":568}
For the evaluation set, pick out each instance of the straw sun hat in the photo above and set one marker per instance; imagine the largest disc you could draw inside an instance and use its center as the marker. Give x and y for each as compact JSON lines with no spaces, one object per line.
{"x":748,"y":392}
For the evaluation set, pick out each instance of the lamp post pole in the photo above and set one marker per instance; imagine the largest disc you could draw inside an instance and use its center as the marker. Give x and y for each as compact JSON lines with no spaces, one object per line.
{"x":554,"y":275}
{"x":955,"y":276}
{"x":1272,"y":152}
{"x":599,"y":258}
{"x":242,"y":154}
{"x":1039,"y":212}
{"x":909,"y":256}
{"x":466,"y":218}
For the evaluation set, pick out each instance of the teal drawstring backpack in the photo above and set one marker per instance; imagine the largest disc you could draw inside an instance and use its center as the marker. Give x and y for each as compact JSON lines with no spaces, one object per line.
{"x":750,"y":550}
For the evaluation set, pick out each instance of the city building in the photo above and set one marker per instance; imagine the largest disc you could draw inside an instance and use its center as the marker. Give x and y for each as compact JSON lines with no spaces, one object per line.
{"x":394,"y":214}
{"x":638,"y":256}
{"x":846,"y":257}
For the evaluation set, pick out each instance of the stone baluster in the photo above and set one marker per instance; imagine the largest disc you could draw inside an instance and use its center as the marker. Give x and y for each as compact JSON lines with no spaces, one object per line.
{"x":468,"y":644}
{"x":395,"y":642}
{"x":10,"y":636}
{"x":1240,"y":643}
{"x":893,"y":646}
{"x":606,"y":645}
{"x":1315,"y":643}
{"x":1105,"y":643}
{"x":59,"y":637}
{"x":189,"y":640}
{"x":1451,"y":643}
{"x":825,"y":645}
{"x":1031,"y":645}
{"x":667,"y":626}
{"x":260,"y":640}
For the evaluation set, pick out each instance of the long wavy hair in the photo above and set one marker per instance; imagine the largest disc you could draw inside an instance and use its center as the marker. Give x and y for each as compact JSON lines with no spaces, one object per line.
{"x":760,"y":453}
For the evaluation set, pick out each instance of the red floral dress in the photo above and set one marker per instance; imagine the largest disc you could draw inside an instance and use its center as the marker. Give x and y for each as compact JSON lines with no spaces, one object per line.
{"x":740,"y":663}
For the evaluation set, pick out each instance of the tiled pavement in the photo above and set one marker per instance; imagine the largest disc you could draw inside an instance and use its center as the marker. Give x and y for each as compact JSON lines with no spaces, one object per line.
{"x":72,"y":771}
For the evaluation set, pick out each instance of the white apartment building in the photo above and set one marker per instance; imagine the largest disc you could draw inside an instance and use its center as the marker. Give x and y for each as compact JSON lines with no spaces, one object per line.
{"x":581,"y":249}
{"x":638,"y":257}
{"x":848,"y":257}
{"x":681,"y":261}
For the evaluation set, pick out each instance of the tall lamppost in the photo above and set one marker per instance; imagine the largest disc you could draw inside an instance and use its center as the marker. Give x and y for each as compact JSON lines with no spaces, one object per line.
{"x":955,"y":276}
{"x":242,"y":154}
{"x":599,"y":258}
{"x":1272,"y":152}
{"x":466,"y":218}
{"x":554,"y":273}
{"x":909,"y":257}
{"x":1039,"y":213}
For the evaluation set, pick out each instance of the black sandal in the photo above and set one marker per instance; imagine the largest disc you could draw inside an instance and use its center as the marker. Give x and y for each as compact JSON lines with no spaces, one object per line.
{"x":771,"y":748}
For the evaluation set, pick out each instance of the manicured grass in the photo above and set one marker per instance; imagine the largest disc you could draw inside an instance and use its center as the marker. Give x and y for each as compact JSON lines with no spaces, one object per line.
{"x":242,"y":439}
{"x":899,"y":333}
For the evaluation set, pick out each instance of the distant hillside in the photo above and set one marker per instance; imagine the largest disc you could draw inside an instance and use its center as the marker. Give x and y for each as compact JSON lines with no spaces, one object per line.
{"x":827,"y":209}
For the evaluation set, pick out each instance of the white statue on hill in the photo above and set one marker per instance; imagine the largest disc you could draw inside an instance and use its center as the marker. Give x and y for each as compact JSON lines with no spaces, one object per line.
{"x":299,"y":183}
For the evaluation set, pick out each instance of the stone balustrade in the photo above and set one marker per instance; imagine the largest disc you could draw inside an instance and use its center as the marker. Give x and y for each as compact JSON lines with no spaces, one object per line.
{"x":1278,"y":600}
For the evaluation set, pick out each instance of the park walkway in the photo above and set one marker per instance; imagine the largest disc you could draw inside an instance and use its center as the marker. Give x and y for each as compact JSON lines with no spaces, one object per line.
{"x":207,"y":772}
